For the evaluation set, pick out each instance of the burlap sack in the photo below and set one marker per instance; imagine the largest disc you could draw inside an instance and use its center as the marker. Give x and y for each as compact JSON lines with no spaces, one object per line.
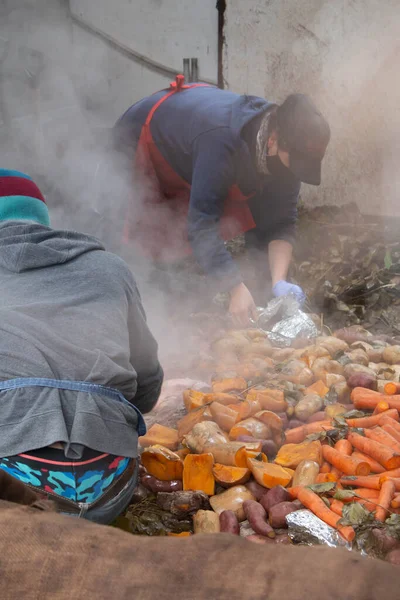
{"x":45,"y":556}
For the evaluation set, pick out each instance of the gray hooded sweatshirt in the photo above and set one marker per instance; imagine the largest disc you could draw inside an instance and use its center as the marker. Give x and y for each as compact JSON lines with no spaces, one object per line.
{"x":69,"y":310}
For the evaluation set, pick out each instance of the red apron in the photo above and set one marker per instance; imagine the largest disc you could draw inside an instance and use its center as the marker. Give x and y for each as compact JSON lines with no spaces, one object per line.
{"x":157,"y":219}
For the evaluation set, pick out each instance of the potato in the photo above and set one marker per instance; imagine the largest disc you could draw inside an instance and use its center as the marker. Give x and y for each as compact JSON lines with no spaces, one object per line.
{"x":375,"y":354}
{"x":310,"y":404}
{"x":332,"y":344}
{"x":306,"y":473}
{"x":256,"y":516}
{"x":296,"y":372}
{"x":277,"y":514}
{"x":206,"y":521}
{"x":334,"y":410}
{"x":323,"y":367}
{"x":232,"y":499}
{"x":358,"y":357}
{"x":274,"y":496}
{"x":391,"y":355}
{"x":342,"y":391}
{"x":353,"y":369}
{"x":228,"y":522}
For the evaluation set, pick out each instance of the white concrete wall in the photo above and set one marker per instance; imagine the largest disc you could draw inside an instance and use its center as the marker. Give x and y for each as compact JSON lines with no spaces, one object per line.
{"x":345,"y":54}
{"x":164,"y":31}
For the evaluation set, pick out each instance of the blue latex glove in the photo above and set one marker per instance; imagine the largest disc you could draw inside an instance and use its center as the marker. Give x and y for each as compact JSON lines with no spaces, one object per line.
{"x":283,"y":288}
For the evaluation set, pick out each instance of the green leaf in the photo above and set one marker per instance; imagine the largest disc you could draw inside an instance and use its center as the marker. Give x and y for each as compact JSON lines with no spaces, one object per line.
{"x":354,"y":414}
{"x":340,"y":421}
{"x":322,"y":488}
{"x":354,"y":514}
{"x":388,"y":259}
{"x":313,"y":437}
{"x":344,"y":495}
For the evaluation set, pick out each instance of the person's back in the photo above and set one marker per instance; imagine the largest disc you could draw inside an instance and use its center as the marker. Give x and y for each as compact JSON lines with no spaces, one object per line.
{"x":70,"y":312}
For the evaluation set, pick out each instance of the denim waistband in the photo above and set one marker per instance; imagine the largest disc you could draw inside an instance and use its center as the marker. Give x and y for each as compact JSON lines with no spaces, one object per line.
{"x":74,"y":386}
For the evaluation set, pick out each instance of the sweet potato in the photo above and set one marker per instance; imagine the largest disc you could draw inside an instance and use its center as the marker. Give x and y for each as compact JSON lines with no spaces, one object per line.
{"x":224,"y":416}
{"x":319,"y":388}
{"x":269,"y":399}
{"x":193,"y":399}
{"x":233,"y":384}
{"x":230,"y":476}
{"x":257,"y":490}
{"x":229,"y":523}
{"x":186,"y":424}
{"x":198,"y":474}
{"x":204,"y":434}
{"x":248,"y":408}
{"x":383,"y":541}
{"x":294,"y":423}
{"x":268,"y":447}
{"x":158,"y":434}
{"x":291,"y":455}
{"x":306,"y":473}
{"x":206,"y":521}
{"x":221,"y":398}
{"x":393,"y":556}
{"x":231,"y":454}
{"x":256,"y":516}
{"x":354,"y":369}
{"x":162,"y":463}
{"x":310,"y":404}
{"x":362,"y":380}
{"x":276,"y":495}
{"x":277,"y":514}
{"x":232,"y":499}
{"x":155,"y":485}
{"x":252,"y":427}
{"x":268,"y":474}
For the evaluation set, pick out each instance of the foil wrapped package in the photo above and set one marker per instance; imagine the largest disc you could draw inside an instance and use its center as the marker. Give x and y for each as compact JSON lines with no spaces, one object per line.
{"x":305,"y":528}
{"x":283,"y":321}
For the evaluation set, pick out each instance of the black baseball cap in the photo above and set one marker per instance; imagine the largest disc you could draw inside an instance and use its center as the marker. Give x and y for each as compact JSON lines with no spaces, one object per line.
{"x":305,"y":134}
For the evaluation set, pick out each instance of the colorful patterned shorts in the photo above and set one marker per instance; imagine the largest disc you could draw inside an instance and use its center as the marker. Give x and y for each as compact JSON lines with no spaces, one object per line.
{"x":84,"y":480}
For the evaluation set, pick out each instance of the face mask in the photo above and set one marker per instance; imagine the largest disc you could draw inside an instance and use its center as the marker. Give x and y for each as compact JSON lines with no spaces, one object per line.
{"x":276,"y":167}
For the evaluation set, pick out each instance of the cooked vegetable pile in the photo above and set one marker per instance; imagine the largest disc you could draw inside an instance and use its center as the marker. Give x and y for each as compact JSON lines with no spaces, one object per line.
{"x":279,"y":430}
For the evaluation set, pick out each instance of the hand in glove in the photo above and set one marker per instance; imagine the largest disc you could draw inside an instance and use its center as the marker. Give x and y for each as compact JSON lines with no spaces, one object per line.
{"x":283,"y":288}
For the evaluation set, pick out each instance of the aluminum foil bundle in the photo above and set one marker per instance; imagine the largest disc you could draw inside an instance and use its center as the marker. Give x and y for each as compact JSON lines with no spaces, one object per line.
{"x":305,"y":528}
{"x":283,"y":320}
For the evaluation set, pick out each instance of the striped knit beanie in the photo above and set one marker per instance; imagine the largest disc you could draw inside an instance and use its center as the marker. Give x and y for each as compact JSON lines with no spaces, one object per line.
{"x":21,"y":199}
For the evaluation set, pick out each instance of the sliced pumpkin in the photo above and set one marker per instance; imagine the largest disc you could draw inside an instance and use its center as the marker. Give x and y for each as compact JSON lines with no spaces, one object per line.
{"x":268,"y":474}
{"x":252,"y":427}
{"x":162,"y":463}
{"x":231,"y":384}
{"x":159,"y":434}
{"x":229,"y":476}
{"x":291,"y":455}
{"x":198,"y":473}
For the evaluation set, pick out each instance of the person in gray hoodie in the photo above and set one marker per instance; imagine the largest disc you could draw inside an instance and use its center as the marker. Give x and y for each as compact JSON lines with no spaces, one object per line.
{"x":78,"y":363}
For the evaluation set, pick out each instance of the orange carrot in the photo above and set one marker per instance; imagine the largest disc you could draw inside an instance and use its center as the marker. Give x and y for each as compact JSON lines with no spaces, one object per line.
{"x":395,"y":503}
{"x":344,"y":447}
{"x":383,"y":454}
{"x":373,"y":420}
{"x":396,"y":481}
{"x":299,"y":434}
{"x":381,"y":436}
{"x":325,"y":467}
{"x":325,"y":478}
{"x":381,"y":407}
{"x":367,"y":399}
{"x":375,"y":466}
{"x":314,"y":503}
{"x":385,"y":497}
{"x":367,"y":498}
{"x":345,"y":464}
{"x":391,"y":388}
{"x":391,"y":431}
{"x":337,"y":506}
{"x":392,"y":473}
{"x":371,"y":482}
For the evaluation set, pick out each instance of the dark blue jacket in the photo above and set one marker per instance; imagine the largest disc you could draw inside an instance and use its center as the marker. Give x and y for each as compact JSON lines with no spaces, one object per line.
{"x":208,"y":136}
